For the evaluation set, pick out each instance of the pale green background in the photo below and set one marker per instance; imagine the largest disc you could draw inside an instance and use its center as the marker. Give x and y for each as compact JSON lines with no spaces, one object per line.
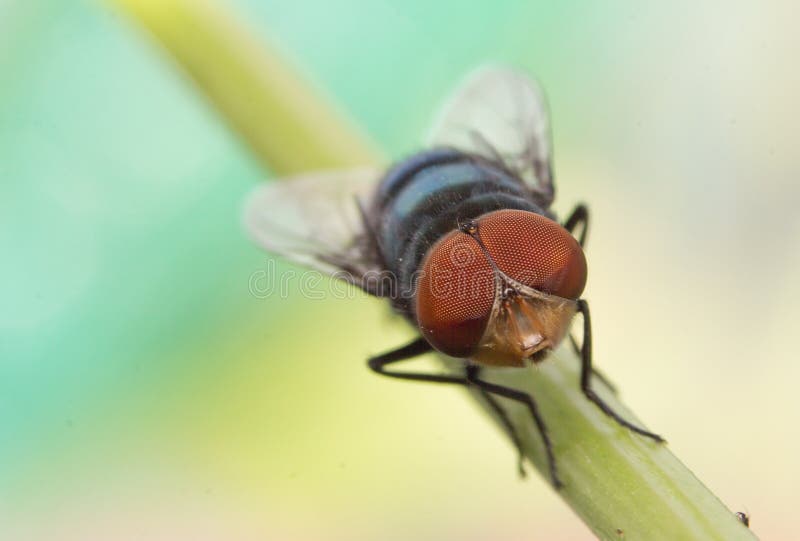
{"x":144,"y":394}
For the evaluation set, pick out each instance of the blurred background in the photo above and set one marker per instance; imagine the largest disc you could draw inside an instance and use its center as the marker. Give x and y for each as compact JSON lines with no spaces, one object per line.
{"x":145,"y":394}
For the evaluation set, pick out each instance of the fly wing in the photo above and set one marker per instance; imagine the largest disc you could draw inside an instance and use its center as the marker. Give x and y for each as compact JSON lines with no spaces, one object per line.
{"x":316,"y":221}
{"x":501,"y":114}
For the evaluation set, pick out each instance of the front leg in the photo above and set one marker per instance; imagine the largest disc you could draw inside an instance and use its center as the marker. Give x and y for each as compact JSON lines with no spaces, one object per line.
{"x":409,"y":351}
{"x":528,"y":401}
{"x":586,"y":377}
{"x":419,"y":347}
{"x":579,"y":216}
{"x":595,"y":372}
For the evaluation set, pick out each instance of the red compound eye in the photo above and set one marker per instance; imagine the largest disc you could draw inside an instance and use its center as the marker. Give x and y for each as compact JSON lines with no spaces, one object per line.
{"x":535,"y":251}
{"x":455,"y":294}
{"x":456,"y":288}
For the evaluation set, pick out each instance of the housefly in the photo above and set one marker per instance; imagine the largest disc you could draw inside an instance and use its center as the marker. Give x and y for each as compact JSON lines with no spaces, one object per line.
{"x":459,"y":238}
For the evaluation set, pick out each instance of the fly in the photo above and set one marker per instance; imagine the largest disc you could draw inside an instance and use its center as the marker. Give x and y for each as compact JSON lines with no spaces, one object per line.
{"x":459,"y":238}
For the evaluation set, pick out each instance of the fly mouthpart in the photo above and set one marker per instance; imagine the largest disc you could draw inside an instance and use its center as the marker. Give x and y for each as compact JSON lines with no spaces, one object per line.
{"x":531,"y":346}
{"x":520,"y":326}
{"x":525,"y":326}
{"x":522,"y":322}
{"x":538,"y":356}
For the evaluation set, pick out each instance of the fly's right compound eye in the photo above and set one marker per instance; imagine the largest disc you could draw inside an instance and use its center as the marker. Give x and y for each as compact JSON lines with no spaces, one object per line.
{"x":455,"y":295}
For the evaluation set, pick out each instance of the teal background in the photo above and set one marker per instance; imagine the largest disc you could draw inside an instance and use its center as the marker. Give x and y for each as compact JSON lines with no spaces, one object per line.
{"x":145,"y":394}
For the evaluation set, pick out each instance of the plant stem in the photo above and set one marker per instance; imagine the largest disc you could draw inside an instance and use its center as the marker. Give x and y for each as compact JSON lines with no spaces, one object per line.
{"x":622,"y":486}
{"x":289,"y":128}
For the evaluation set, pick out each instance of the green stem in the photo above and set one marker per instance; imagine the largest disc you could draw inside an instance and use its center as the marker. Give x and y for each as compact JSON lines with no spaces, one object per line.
{"x":622,"y":485}
{"x":289,"y":128}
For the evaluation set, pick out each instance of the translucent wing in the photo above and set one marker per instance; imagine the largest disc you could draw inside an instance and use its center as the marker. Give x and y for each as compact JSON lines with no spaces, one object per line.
{"x":316,"y":220}
{"x":500,"y":114}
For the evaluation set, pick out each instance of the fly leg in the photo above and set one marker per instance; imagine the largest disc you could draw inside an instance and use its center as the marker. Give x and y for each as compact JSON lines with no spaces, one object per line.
{"x":404,"y":353}
{"x":586,"y":376}
{"x":528,"y":401}
{"x":579,"y":216}
{"x":473,"y":372}
{"x":595,"y":372}
{"x":418,"y":347}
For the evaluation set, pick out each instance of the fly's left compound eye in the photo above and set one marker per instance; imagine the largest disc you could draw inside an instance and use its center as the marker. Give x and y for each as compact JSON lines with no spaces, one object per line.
{"x":535,"y":251}
{"x":455,"y":294}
